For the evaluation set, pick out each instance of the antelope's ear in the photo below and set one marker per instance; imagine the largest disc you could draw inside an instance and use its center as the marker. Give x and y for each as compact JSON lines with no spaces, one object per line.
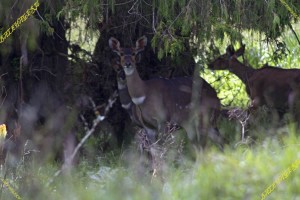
{"x":230,"y":50}
{"x":140,"y":44}
{"x":114,"y":44}
{"x":240,"y":51}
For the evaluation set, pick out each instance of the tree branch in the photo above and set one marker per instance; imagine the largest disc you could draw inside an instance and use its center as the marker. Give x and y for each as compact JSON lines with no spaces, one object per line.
{"x":88,"y":133}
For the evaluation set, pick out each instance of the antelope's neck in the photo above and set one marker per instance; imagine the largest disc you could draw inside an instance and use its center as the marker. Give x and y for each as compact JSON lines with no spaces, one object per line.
{"x":136,"y":87}
{"x":125,"y":98}
{"x":242,"y":71}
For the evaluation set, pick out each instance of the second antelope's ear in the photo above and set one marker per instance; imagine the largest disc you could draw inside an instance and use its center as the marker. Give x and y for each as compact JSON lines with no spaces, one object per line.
{"x":140,"y":44}
{"x":230,"y":50}
{"x":114,"y":44}
{"x":240,"y":51}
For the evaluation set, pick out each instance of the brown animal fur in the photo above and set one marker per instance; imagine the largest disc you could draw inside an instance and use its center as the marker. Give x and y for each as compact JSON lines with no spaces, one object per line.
{"x":271,"y":86}
{"x":169,"y":100}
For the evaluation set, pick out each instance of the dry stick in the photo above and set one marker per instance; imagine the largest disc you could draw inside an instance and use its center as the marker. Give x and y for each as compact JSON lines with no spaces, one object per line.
{"x":87,"y":135}
{"x":244,"y":123}
{"x":242,"y":117}
{"x":89,"y":132}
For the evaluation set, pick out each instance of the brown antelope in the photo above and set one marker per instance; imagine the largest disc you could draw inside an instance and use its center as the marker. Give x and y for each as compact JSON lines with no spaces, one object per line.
{"x":274,"y":87}
{"x":169,"y":100}
{"x":125,"y":98}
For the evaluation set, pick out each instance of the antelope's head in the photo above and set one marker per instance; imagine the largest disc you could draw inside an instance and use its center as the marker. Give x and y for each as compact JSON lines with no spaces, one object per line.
{"x":128,"y":55}
{"x":224,"y":61}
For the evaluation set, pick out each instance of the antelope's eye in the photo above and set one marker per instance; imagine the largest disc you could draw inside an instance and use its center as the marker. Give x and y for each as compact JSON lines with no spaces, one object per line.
{"x":121,"y":54}
{"x":132,"y":54}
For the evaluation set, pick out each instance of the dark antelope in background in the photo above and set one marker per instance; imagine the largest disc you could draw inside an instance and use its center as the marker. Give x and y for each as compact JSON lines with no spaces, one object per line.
{"x":271,"y":86}
{"x":159,"y":100}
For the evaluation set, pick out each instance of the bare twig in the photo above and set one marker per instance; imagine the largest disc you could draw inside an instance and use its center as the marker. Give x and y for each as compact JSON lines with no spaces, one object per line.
{"x":96,"y":121}
{"x":40,"y":15}
{"x":242,"y":116}
{"x":153,"y":20}
{"x":89,"y":132}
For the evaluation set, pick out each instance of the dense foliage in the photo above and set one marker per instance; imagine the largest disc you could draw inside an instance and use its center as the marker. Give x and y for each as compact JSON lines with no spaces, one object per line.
{"x":174,"y":21}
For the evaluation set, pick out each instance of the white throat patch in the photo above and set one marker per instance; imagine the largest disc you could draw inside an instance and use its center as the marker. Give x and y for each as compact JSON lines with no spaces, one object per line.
{"x":128,"y":70}
{"x":138,"y":100}
{"x":126,"y":106}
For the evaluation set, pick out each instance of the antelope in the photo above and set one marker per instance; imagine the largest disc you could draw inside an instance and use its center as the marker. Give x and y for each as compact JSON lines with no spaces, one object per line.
{"x":162,"y":100}
{"x":274,"y":87}
{"x":125,"y":98}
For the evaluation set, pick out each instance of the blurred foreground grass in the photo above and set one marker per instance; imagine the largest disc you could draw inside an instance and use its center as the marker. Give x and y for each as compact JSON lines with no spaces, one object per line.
{"x":242,"y":171}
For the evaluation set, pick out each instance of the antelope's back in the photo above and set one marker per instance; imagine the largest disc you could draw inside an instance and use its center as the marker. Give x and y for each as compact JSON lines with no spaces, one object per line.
{"x":274,"y":85}
{"x":180,"y":89}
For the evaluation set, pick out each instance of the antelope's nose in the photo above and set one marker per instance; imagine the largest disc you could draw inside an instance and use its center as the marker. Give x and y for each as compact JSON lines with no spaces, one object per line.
{"x":127,"y":61}
{"x":127,"y":64}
